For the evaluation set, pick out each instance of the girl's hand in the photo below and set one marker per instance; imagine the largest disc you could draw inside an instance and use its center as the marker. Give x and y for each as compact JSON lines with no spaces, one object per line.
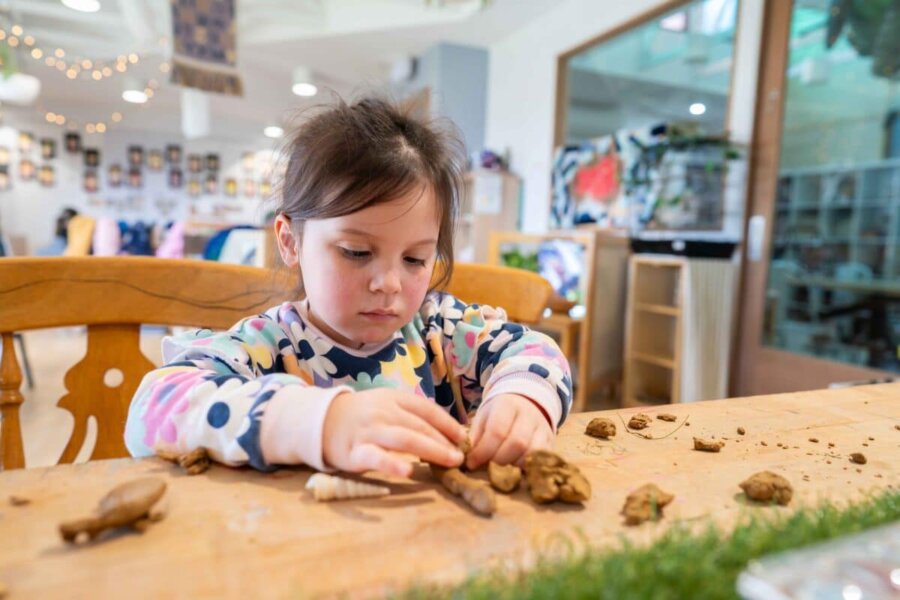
{"x":365,"y":431}
{"x":506,"y":429}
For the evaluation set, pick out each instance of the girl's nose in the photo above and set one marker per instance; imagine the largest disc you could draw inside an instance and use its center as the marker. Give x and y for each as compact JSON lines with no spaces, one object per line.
{"x":386,"y":282}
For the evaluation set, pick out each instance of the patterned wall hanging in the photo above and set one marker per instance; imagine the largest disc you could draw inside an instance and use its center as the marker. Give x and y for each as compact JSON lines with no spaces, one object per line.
{"x":205,"y":46}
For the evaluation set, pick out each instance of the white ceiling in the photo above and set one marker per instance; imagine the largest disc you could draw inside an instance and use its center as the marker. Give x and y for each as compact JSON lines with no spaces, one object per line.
{"x":349,"y":45}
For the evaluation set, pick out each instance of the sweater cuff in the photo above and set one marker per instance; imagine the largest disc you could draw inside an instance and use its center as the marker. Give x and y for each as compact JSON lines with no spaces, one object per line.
{"x":291,"y":431}
{"x":532,"y":386}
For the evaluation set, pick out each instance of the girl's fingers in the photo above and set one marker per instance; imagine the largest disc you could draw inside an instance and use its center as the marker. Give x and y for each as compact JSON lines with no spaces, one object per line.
{"x":542,"y":439}
{"x":496,"y":428}
{"x":414,"y":422}
{"x":434,"y":415}
{"x":401,"y":439}
{"x":517,"y":442}
{"x":369,"y":457}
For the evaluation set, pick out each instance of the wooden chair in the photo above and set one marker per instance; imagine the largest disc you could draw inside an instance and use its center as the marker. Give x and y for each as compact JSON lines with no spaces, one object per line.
{"x":114,"y":296}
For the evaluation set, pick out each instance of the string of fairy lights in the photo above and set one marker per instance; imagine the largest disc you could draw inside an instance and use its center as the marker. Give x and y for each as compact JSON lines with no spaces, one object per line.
{"x":81,"y":68}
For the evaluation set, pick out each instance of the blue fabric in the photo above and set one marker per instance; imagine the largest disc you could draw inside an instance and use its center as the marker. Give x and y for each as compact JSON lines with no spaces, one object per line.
{"x":213,"y":248}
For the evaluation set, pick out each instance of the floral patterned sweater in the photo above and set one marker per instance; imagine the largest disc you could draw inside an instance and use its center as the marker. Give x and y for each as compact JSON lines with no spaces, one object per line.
{"x":228,"y":392}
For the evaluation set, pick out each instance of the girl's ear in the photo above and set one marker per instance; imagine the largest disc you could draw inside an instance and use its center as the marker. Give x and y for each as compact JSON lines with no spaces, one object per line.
{"x":288,"y":243}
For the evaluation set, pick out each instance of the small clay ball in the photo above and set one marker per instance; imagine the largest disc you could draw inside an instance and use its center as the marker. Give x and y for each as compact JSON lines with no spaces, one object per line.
{"x":601,"y":427}
{"x":767,"y":486}
{"x":504,"y":478}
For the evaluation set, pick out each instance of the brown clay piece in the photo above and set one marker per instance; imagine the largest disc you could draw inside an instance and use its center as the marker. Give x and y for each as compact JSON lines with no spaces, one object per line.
{"x":550,"y":477}
{"x":644,"y":504}
{"x":477,"y":494}
{"x":767,"y":486}
{"x":667,"y":417}
{"x":858,"y":458}
{"x":19,"y":500}
{"x":504,"y":478}
{"x":129,"y":504}
{"x":601,"y":427}
{"x":639,"y":421}
{"x":741,"y":431}
{"x":193,"y":462}
{"x":706,"y":445}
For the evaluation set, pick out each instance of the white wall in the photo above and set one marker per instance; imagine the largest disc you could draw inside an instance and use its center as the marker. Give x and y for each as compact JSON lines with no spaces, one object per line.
{"x":522,"y":86}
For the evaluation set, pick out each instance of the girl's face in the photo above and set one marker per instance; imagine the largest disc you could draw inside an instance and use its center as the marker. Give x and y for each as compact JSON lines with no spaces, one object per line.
{"x":367,"y":273}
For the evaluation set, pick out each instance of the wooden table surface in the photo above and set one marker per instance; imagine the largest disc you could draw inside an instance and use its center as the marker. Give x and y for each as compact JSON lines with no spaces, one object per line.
{"x":239,"y":533}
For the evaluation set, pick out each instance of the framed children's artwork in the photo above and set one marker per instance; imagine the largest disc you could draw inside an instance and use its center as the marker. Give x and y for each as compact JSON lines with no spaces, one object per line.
{"x":249,"y":187}
{"x":248,"y":161}
{"x":91,"y":183}
{"x":4,"y":156}
{"x":91,"y":157}
{"x":195,"y":163}
{"x":173,"y":154}
{"x":5,"y":182}
{"x":231,"y":187}
{"x":212,"y":184}
{"x":26,"y":169}
{"x":155,"y":160}
{"x":73,"y":143}
{"x":194,"y":188}
{"x":48,"y":148}
{"x":46,"y":176}
{"x":114,"y":176}
{"x":26,"y":139}
{"x":135,"y":156}
{"x":176,"y":178}
{"x":135,"y":178}
{"x":212,"y":162}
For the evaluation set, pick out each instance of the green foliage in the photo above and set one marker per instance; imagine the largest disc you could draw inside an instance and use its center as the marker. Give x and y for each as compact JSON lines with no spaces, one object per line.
{"x":682,"y":563}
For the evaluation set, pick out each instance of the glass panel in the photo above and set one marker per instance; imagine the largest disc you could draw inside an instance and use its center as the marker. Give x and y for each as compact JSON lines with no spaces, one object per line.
{"x":834,"y":277}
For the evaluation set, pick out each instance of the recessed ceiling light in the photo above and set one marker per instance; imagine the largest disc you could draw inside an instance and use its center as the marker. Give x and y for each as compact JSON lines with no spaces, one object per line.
{"x":304,"y":89}
{"x":87,"y":6}
{"x":273,"y":131}
{"x":697,"y":108}
{"x":134,"y":96}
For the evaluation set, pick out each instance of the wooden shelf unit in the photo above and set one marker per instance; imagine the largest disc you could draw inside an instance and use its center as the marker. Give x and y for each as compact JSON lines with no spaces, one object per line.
{"x":679,"y":327}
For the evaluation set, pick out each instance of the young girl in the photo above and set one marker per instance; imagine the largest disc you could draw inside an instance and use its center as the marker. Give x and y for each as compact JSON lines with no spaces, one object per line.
{"x":357,"y":375}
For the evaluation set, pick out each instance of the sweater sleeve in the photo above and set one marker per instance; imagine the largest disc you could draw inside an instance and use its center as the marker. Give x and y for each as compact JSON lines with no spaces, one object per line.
{"x":227,"y":392}
{"x":490,"y":356}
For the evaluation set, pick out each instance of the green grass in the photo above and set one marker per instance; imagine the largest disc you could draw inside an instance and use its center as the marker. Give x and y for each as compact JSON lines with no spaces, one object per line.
{"x":704,"y":563}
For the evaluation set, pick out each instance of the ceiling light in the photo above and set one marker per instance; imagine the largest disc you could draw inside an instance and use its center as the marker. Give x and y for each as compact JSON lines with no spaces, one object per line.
{"x":273,"y":131}
{"x":697,"y":108}
{"x":88,"y":6}
{"x":133,"y":91}
{"x":303,"y":85}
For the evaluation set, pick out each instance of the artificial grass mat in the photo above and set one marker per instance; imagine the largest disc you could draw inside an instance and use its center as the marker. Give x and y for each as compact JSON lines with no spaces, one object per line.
{"x":682,"y":563}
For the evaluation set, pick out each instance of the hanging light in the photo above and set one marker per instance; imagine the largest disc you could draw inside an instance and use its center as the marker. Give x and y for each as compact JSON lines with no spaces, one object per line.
{"x":133,"y":91}
{"x":697,"y":108}
{"x":87,"y":6}
{"x":303,"y":85}
{"x":273,"y":131}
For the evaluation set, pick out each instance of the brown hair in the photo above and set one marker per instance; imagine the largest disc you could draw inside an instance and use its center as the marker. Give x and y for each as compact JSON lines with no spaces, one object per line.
{"x":352,"y":156}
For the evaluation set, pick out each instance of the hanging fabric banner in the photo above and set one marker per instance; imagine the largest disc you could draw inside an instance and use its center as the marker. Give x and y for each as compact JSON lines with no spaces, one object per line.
{"x":205,"y":46}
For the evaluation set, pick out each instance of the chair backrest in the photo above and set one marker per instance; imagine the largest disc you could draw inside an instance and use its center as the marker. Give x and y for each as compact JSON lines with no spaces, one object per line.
{"x":522,"y":294}
{"x":113,"y":296}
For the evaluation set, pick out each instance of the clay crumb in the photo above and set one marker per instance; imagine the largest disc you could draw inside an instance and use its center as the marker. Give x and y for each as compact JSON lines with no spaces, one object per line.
{"x":504,"y":478}
{"x":644,"y":504}
{"x":767,"y":486}
{"x":828,"y":461}
{"x":858,"y":458}
{"x":550,"y":477}
{"x":871,"y":439}
{"x":601,"y":427}
{"x":831,"y":444}
{"x":897,"y":427}
{"x":705,"y":445}
{"x":667,"y":417}
{"x":193,"y":462}
{"x":865,"y":444}
{"x":639,"y":421}
{"x":741,"y":431}
{"x":859,"y":470}
{"x":19,"y":500}
{"x":687,"y":424}
{"x":814,"y":440}
{"x":763,"y":444}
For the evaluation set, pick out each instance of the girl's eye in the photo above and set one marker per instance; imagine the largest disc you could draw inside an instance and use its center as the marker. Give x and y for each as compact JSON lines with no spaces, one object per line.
{"x":354,"y":254}
{"x":414,"y":261}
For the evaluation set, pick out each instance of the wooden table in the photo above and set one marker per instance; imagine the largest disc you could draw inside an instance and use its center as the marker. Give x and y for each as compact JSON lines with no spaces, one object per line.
{"x":238,"y":533}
